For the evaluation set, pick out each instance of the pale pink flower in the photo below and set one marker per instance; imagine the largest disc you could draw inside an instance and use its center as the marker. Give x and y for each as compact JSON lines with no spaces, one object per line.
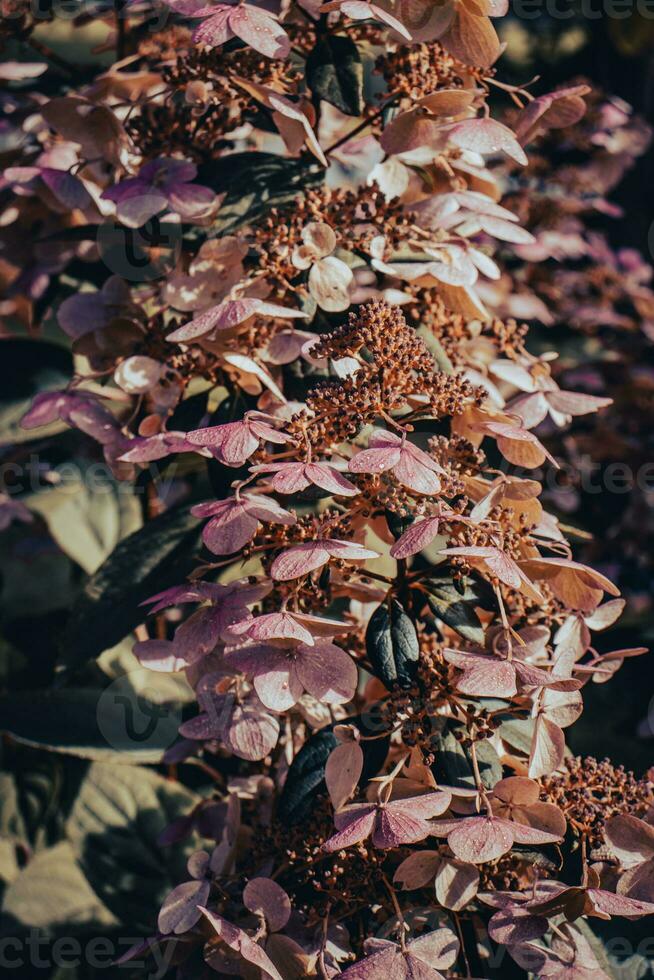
{"x":234,"y":521}
{"x":200,"y":633}
{"x":160,"y":184}
{"x":242,"y":944}
{"x":287,"y":345}
{"x":404,"y":821}
{"x":533,"y":406}
{"x":295,"y":477}
{"x":497,"y":564}
{"x":147,"y":449}
{"x":575,"y":631}
{"x":329,"y":277}
{"x":245,"y":727}
{"x":264,"y":897}
{"x":570,"y":957}
{"x":286,"y":625}
{"x":421,"y":959}
{"x":589,"y":899}
{"x":517,"y":798}
{"x":412,"y":467}
{"x":363,"y":10}
{"x":282,"y":674}
{"x":516,"y":443}
{"x":180,"y":910}
{"x":234,"y":442}
{"x":493,"y":676}
{"x":304,"y":558}
{"x":553,"y":110}
{"x":557,"y":709}
{"x":456,"y":882}
{"x":486,"y":838}
{"x":242,"y":592}
{"x":82,"y":313}
{"x":256,"y":27}
{"x":228,"y":314}
{"x":487,"y":136}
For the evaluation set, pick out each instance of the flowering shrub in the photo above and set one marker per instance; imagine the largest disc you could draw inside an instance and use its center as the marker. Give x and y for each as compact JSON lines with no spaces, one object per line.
{"x":294,"y":253}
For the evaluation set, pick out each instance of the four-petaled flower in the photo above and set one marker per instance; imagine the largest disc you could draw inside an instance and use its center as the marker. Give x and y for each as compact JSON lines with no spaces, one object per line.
{"x":404,"y":821}
{"x":411,"y":467}
{"x":162,"y":183}
{"x":234,"y":442}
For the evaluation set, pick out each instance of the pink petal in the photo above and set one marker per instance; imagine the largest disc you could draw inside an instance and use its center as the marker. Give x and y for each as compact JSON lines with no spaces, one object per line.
{"x":524,"y":834}
{"x":480,"y":839}
{"x":628,"y":908}
{"x":547,"y":748}
{"x":180,"y":911}
{"x":426,"y":806}
{"x":280,"y":625}
{"x":258,"y":29}
{"x":277,"y":686}
{"x":418,"y":536}
{"x":328,"y":478}
{"x":227,"y":534}
{"x":327,"y":672}
{"x":230,"y":313}
{"x":265,"y":897}
{"x":343,"y":771}
{"x":415,"y":475}
{"x":374,"y":460}
{"x":299,"y":560}
{"x":290,"y":478}
{"x":348,"y":550}
{"x":571,"y":403}
{"x":353,"y":831}
{"x":215,"y":30}
{"x":630,"y":838}
{"x":251,"y":733}
{"x":418,"y":869}
{"x":396,"y":827}
{"x":159,"y":655}
{"x":241,"y":943}
{"x":487,"y":136}
{"x":456,"y":884}
{"x":266,"y":509}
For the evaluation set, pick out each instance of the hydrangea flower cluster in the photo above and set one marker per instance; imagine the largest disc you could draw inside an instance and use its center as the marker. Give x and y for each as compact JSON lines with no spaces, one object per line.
{"x":333,"y":224}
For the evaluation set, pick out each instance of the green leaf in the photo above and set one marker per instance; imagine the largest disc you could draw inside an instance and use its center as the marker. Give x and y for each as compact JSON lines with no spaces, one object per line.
{"x":457,"y":608}
{"x":392,"y":645}
{"x":117,"y":724}
{"x":31,"y":798}
{"x":453,"y":763}
{"x":114,"y":827}
{"x":306,"y":776}
{"x":436,"y":350}
{"x":623,"y":949}
{"x":148,"y":561}
{"x":255,"y":182}
{"x":518,"y":733}
{"x":335,"y":73}
{"x":88,"y":514}
{"x":51,"y":892}
{"x":397,"y":523}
